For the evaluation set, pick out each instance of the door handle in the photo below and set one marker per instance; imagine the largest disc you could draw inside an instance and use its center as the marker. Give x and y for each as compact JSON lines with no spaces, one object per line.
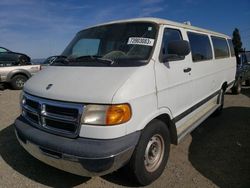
{"x":187,"y":70}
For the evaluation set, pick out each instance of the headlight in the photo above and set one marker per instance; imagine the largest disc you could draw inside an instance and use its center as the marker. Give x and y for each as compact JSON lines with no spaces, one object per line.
{"x":106,"y":114}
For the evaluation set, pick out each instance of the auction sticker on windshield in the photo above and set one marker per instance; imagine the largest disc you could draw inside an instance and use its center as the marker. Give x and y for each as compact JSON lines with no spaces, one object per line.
{"x":141,"y":41}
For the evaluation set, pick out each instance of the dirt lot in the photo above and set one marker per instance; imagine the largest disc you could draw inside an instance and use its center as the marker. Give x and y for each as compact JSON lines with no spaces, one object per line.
{"x":216,"y":154}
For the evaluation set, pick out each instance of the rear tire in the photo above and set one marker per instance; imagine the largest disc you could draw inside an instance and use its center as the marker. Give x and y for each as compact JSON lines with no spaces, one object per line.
{"x":151,"y":154}
{"x":236,"y":89}
{"x":18,"y":81}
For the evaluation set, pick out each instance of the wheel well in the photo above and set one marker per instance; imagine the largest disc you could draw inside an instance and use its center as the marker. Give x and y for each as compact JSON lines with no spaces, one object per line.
{"x":16,"y":74}
{"x":171,"y":127}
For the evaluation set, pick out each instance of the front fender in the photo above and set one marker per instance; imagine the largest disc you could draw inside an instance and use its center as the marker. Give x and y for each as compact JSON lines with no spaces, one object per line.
{"x":153,"y":115}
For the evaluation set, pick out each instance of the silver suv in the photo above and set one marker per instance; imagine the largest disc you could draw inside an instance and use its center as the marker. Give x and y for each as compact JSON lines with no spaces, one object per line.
{"x":16,"y":74}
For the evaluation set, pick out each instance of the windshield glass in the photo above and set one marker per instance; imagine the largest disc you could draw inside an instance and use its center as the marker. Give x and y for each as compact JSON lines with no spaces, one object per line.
{"x":114,"y":44}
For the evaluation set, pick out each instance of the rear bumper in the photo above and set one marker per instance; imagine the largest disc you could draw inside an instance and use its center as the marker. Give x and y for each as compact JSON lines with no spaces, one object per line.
{"x":87,"y":157}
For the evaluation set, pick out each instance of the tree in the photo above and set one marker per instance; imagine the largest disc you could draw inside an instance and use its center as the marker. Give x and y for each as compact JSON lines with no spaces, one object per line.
{"x":237,"y":41}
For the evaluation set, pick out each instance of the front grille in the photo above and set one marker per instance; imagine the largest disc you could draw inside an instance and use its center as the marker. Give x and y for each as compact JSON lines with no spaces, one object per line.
{"x":57,"y":117}
{"x":62,"y":111}
{"x":32,"y":104}
{"x":32,"y":117}
{"x":69,"y":127}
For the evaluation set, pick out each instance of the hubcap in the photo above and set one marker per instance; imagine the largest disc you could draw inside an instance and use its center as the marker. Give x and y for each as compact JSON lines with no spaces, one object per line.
{"x":154,"y":153}
{"x":20,"y":82}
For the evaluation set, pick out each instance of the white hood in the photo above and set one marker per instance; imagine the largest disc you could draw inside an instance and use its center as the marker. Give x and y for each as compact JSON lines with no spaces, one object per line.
{"x":79,"y":84}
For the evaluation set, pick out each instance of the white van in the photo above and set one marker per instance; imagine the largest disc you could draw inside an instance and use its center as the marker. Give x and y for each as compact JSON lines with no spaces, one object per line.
{"x":121,"y":93}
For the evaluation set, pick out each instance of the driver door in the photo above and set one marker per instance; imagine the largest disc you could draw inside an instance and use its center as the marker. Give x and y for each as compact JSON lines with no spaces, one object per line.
{"x":174,"y":78}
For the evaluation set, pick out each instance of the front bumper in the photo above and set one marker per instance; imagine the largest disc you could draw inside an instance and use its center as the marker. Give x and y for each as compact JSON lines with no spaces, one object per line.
{"x":81,"y":156}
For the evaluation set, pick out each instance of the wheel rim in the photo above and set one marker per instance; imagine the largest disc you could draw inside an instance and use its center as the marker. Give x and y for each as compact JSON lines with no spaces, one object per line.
{"x":154,"y":153}
{"x":20,"y":82}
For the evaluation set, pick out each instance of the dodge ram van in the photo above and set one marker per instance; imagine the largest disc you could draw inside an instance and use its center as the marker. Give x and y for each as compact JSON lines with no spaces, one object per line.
{"x":121,"y":93}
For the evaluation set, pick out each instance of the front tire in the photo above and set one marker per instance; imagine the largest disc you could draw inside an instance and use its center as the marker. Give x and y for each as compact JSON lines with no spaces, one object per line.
{"x":151,"y":154}
{"x":18,"y":81}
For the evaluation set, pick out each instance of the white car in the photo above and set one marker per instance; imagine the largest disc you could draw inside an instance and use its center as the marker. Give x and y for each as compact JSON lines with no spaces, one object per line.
{"x":121,"y":93}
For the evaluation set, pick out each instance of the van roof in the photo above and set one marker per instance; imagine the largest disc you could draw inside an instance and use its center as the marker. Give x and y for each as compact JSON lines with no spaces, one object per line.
{"x":166,"y":22}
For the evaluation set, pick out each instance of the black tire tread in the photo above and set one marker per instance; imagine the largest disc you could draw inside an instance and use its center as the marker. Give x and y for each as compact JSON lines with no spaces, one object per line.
{"x":136,"y":164}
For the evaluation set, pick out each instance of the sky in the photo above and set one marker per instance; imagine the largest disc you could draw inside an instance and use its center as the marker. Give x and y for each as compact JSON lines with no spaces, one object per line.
{"x":41,"y":28}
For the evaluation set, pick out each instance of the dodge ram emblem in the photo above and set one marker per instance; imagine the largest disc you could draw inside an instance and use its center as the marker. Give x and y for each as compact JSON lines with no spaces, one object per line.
{"x":49,"y":86}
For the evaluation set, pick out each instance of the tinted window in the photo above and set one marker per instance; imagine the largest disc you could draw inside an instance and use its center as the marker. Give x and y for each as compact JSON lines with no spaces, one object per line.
{"x":200,"y":47}
{"x":220,"y":47}
{"x":168,"y":36}
{"x":3,"y":50}
{"x":231,"y":47}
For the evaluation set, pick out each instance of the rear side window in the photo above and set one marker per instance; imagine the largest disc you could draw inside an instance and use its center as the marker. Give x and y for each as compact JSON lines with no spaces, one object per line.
{"x":200,"y":47}
{"x":220,"y":47}
{"x":230,"y":43}
{"x":170,"y":35}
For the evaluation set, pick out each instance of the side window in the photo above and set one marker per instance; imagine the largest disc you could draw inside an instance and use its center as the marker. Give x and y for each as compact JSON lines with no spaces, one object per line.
{"x":200,"y":47}
{"x":168,"y":36}
{"x":231,"y":47}
{"x":3,"y":50}
{"x":220,"y":47}
{"x":86,"y":47}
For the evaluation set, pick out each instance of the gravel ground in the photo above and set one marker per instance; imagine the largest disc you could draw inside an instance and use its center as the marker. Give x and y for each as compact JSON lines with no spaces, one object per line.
{"x":216,"y":154}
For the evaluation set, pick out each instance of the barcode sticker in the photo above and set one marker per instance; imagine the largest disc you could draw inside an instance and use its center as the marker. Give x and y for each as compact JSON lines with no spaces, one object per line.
{"x":141,"y":41}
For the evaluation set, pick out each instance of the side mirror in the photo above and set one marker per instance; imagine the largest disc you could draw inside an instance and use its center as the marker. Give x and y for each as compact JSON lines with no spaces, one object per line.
{"x":177,"y":50}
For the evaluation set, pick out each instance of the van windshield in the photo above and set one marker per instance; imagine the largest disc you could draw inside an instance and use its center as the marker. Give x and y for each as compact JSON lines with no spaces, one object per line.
{"x":125,"y":44}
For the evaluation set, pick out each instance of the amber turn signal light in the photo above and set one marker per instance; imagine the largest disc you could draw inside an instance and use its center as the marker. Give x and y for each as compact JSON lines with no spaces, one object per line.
{"x":117,"y":114}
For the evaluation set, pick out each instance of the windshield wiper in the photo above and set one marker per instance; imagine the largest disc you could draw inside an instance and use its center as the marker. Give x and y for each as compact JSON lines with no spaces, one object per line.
{"x":88,"y":57}
{"x":96,"y":58}
{"x":60,"y":59}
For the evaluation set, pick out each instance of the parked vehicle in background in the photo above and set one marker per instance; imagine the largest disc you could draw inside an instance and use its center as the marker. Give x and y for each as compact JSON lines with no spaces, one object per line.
{"x":121,"y":93}
{"x":243,"y":72}
{"x":15,"y":74}
{"x":15,"y":68}
{"x":14,"y":58}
